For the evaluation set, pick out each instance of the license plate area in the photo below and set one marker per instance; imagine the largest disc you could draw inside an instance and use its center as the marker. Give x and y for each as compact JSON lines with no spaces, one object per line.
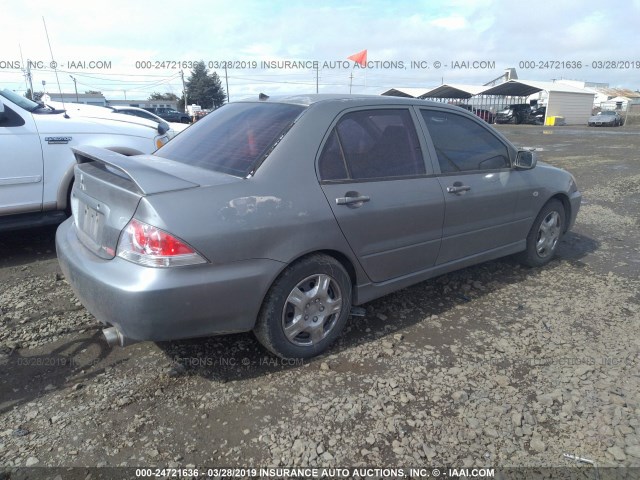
{"x":90,"y":222}
{"x":90,"y":218}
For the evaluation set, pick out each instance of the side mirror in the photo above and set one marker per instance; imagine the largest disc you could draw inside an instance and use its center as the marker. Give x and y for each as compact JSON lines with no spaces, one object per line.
{"x":163,"y":128}
{"x":3,"y":116}
{"x":525,"y":160}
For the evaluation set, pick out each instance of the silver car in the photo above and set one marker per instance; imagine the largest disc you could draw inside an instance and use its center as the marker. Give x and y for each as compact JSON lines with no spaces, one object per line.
{"x":606,"y":118}
{"x":277,"y":216}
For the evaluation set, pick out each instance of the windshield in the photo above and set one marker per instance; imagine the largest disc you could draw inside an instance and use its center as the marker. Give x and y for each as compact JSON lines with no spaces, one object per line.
{"x":233,"y":139}
{"x":609,"y":112}
{"x":19,"y":100}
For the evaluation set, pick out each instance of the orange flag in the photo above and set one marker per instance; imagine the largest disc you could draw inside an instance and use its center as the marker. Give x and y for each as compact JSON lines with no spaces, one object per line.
{"x":360,"y":58}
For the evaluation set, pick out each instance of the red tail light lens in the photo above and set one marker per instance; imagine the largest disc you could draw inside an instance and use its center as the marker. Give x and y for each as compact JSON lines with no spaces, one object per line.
{"x":147,"y":245}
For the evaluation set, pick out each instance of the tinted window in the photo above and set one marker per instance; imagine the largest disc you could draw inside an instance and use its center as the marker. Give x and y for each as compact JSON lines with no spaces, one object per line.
{"x":138,"y":113}
{"x":332,"y":166}
{"x":462,"y":144}
{"x":234,"y":138}
{"x":372,"y":144}
{"x":11,"y":118}
{"x":19,"y":100}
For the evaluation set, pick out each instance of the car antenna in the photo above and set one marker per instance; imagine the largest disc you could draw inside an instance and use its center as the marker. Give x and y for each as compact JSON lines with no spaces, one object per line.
{"x":55,"y":70}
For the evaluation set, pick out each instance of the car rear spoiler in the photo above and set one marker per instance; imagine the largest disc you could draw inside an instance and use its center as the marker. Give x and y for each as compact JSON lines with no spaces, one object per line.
{"x":147,"y":179}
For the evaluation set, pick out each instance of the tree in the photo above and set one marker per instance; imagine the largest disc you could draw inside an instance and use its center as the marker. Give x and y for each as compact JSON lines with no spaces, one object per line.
{"x":36,"y":97}
{"x":163,"y":96}
{"x":94,"y":92}
{"x":205,"y":89}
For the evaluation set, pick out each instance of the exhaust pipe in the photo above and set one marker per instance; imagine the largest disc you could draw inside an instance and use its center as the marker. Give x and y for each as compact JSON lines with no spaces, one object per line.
{"x":114,"y":337}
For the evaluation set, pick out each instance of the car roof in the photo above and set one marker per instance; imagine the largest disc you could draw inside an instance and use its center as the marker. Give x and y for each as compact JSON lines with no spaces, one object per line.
{"x":354,"y":100}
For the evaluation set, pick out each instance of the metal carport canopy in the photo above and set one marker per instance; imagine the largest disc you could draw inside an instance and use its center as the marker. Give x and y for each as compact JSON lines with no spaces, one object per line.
{"x":524,"y":88}
{"x":405,"y":92}
{"x":451,"y":90}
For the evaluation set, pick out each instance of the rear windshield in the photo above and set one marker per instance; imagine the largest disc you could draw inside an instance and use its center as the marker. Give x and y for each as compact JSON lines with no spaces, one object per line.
{"x":233,"y":139}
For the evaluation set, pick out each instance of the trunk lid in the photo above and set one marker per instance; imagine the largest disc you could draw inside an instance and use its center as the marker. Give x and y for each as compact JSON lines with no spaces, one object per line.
{"x":107,"y":189}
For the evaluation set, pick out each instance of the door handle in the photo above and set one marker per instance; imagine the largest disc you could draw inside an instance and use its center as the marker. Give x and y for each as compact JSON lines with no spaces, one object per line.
{"x":458,"y":189}
{"x":352,"y":200}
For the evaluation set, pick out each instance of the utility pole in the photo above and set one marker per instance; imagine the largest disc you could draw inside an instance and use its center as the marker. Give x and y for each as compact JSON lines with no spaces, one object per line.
{"x":30,"y":79}
{"x":75,"y":85}
{"x":184,"y":90}
{"x":125,"y":94}
{"x":317,"y":77}
{"x":226,"y":80}
{"x":24,"y":72}
{"x":350,"y":82}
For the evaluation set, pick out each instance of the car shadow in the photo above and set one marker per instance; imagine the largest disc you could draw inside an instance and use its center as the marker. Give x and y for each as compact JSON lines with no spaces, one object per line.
{"x":239,"y":356}
{"x":69,"y":364}
{"x":24,"y":245}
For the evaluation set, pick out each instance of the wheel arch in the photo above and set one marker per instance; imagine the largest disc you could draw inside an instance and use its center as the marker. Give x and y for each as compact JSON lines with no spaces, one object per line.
{"x":564,"y":199}
{"x":345,"y":262}
{"x":340,"y":257}
{"x":64,"y":189}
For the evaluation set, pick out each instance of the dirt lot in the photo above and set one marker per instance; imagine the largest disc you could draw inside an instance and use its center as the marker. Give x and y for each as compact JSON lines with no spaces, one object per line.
{"x":495,"y":365}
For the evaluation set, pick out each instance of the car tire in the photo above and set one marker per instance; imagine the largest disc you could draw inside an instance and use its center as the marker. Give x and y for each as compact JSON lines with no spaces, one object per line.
{"x":306,"y":308}
{"x":545,"y":234}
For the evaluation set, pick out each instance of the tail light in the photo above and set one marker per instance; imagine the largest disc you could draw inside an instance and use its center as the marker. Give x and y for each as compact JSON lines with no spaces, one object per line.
{"x":149,"y":246}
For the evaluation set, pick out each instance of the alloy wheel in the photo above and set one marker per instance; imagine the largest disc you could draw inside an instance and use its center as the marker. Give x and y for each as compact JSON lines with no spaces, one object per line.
{"x":312,"y":310}
{"x":548,"y":234}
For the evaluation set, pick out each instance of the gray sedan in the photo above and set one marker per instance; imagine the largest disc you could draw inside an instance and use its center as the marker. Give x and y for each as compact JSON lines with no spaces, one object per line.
{"x":277,"y":216}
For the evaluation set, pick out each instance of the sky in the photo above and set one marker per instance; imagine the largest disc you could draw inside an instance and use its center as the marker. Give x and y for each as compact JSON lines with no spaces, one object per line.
{"x":129,"y":49}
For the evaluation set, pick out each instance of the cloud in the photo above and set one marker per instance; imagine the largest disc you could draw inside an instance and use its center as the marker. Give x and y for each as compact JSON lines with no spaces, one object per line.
{"x":454,"y":22}
{"x":504,"y":31}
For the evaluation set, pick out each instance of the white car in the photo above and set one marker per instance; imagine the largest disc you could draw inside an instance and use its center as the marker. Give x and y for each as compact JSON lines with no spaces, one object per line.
{"x":36,"y":161}
{"x":95,"y":111}
{"x":174,"y":127}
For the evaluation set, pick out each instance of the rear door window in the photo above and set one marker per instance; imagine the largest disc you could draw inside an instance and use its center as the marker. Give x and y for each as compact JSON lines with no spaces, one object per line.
{"x":372,"y":144}
{"x":233,"y":139}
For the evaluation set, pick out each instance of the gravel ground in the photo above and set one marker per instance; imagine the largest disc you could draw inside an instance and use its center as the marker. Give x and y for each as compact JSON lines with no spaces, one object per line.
{"x":495,"y":365}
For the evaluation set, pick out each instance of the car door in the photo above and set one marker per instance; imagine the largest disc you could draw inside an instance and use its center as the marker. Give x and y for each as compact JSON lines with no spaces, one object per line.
{"x":388,"y":204}
{"x":480,"y":187}
{"x":21,"y":176}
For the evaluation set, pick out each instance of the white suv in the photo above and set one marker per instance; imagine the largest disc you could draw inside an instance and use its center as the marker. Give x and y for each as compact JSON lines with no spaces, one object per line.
{"x":36,"y":161}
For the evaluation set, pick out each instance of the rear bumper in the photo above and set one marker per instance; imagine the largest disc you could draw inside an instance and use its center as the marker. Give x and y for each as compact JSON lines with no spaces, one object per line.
{"x":165,"y":303}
